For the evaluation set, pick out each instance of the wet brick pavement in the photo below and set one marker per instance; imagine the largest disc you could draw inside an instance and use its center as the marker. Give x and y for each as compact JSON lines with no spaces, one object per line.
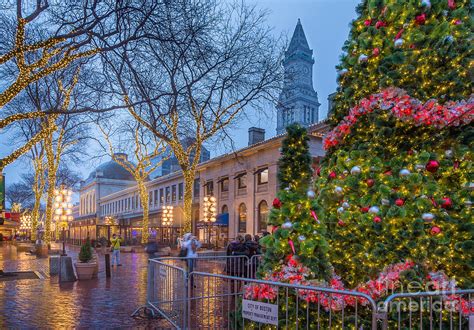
{"x":100,"y":303}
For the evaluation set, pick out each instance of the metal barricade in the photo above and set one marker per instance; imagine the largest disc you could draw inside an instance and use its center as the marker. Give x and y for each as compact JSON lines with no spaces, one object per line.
{"x":429,"y":310}
{"x":167,"y":291}
{"x":253,"y":264}
{"x":229,"y":302}
{"x":235,"y":265}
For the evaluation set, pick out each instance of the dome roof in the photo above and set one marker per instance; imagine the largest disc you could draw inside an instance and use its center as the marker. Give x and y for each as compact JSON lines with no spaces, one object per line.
{"x":111,"y":170}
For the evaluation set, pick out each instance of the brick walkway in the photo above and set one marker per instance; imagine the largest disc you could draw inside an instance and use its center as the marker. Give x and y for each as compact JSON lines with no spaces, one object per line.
{"x":103,"y":302}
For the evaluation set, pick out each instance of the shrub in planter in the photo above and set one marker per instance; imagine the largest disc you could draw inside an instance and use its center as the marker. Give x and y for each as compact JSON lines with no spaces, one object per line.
{"x":86,"y":253}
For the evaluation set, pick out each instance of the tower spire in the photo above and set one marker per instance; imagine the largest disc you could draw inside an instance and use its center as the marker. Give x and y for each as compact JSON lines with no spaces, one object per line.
{"x":298,"y":40}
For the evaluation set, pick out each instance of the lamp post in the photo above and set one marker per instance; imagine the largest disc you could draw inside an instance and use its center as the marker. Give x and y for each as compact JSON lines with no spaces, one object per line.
{"x":63,"y":210}
{"x":167,"y":217}
{"x":25,"y":223}
{"x":209,"y":207}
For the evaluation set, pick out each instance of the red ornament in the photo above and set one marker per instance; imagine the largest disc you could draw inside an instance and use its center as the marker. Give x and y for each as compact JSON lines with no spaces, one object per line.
{"x":370,"y":182}
{"x":318,"y":171}
{"x":364,"y":209}
{"x":276,"y":203}
{"x":451,"y":4}
{"x":377,"y":219}
{"x":274,"y":229}
{"x":456,"y":165}
{"x":457,"y":22}
{"x":332,"y":175}
{"x":399,"y":34}
{"x":399,"y":202}
{"x":315,"y":216}
{"x":412,"y":46}
{"x":435,"y":230}
{"x":376,"y":52}
{"x":432,"y":166}
{"x":434,"y":202}
{"x":420,"y":19}
{"x":341,"y":223}
{"x":388,"y":172}
{"x":410,"y":152}
{"x":367,"y":22}
{"x":446,"y":203}
{"x":380,"y":24}
{"x":292,"y":245}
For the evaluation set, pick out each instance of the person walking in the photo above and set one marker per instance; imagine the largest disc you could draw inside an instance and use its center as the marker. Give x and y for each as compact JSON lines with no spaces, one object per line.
{"x":191,"y":244}
{"x":115,"y":248}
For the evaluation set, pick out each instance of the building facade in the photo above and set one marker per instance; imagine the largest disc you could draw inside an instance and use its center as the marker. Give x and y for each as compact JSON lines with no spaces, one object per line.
{"x":243,"y":183}
{"x":298,"y":101}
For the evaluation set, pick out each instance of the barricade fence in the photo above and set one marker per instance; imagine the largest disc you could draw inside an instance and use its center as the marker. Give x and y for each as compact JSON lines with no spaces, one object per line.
{"x":221,"y":292}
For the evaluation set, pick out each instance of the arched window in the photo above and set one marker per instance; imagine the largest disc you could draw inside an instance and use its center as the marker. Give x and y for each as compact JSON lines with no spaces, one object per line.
{"x":242,"y":218}
{"x":262,"y":216}
{"x":225,"y":209}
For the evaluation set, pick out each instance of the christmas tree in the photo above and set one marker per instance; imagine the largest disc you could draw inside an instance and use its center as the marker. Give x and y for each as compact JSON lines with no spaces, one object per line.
{"x":395,"y":189}
{"x":422,"y":46}
{"x":297,"y":232}
{"x":397,"y":181}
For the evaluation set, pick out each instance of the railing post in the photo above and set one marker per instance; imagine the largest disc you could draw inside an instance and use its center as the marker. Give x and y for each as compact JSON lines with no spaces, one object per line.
{"x":187,"y":299}
{"x":151,"y":281}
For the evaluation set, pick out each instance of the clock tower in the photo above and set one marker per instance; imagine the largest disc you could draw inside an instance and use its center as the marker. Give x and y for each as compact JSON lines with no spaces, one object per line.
{"x":298,"y":101}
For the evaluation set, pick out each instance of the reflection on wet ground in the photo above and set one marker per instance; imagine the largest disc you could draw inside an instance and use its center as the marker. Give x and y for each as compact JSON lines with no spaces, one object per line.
{"x":45,"y":303}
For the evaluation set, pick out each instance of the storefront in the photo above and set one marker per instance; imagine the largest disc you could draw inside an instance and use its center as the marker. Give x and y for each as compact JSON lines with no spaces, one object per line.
{"x":214,"y":234}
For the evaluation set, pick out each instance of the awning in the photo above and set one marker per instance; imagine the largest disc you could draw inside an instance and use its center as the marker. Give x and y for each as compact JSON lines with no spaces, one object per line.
{"x":260,"y":170}
{"x":222,"y":220}
{"x":239,"y":175}
{"x":222,"y":179}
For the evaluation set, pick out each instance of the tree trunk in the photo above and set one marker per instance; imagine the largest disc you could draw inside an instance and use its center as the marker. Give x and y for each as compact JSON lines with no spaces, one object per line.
{"x":188,"y":200}
{"x":145,"y":205}
{"x":35,"y":216}
{"x":49,"y":207}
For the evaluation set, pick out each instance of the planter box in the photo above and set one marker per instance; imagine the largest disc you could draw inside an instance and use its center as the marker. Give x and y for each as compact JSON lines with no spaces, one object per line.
{"x":85,"y":270}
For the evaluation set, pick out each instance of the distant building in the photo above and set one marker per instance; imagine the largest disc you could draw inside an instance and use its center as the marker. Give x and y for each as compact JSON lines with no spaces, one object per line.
{"x":298,"y":101}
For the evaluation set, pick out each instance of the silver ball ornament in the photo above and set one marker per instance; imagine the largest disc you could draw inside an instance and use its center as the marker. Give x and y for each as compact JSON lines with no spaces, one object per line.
{"x":419,"y":167}
{"x":345,"y":172}
{"x":338,"y":190}
{"x":287,"y":225}
{"x":448,"y":153}
{"x":398,"y":43}
{"x":345,"y":205}
{"x":363,"y":58}
{"x":355,"y":170}
{"x":426,"y":3}
{"x":301,"y":238}
{"x":340,"y":209}
{"x":342,"y":72}
{"x":385,"y":202}
{"x":311,"y":194}
{"x":374,"y":210}
{"x":404,"y":172}
{"x":428,"y":217}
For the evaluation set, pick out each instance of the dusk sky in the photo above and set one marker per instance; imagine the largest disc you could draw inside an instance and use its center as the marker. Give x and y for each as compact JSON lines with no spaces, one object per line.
{"x":326,"y":25}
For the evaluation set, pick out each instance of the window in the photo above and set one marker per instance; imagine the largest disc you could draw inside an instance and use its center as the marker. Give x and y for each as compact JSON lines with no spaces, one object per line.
{"x":262,"y":176}
{"x":167,"y":193}
{"x":242,"y":181}
{"x":162,"y":197}
{"x":180,"y":191}
{"x":224,"y":209}
{"x":209,"y":188}
{"x":242,"y":218}
{"x":173,"y":193}
{"x":150,"y":198}
{"x":156,"y":197}
{"x":225,"y":185}
{"x":196,"y":188}
{"x":262,"y":216}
